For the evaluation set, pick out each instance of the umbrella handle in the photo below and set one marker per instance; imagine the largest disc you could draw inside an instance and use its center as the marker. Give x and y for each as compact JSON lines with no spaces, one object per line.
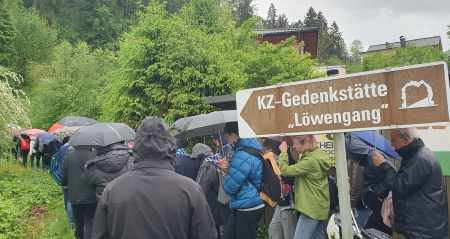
{"x":221,"y":144}
{"x":374,"y":141}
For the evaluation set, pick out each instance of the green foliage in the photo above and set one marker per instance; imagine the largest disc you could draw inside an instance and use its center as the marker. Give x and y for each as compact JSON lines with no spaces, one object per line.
{"x":263,"y":232}
{"x":404,"y":56}
{"x":205,"y":12}
{"x":20,"y":190}
{"x":105,"y":30}
{"x":169,"y":63}
{"x":7,"y":32}
{"x":34,"y":40}
{"x":278,"y":64}
{"x":72,"y":83}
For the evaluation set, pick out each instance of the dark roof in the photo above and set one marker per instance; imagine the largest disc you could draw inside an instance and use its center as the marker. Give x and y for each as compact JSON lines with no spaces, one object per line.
{"x":224,"y":102}
{"x":285,"y":31}
{"x":428,"y":41}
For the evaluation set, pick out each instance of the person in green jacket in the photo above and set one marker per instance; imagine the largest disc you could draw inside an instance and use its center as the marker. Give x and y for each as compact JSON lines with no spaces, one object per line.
{"x":312,"y":197}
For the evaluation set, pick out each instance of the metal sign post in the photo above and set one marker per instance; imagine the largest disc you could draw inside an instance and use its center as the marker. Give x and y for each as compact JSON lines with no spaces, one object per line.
{"x":343,"y":186}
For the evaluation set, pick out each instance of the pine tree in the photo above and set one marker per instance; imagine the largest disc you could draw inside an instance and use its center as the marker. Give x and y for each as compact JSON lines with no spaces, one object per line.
{"x":244,"y":10}
{"x":282,"y":21}
{"x":296,"y":24}
{"x":271,"y":19}
{"x":310,"y":18}
{"x":322,"y":23}
{"x":7,"y":32}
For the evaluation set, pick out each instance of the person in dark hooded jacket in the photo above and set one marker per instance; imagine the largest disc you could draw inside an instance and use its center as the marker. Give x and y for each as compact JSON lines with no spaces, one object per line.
{"x":151,"y":200}
{"x":183,"y":164}
{"x":208,"y":179}
{"x":418,"y":191}
{"x":111,"y":162}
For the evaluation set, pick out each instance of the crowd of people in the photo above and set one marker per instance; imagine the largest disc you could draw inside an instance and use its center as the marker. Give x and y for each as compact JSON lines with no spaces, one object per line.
{"x":157,"y":189}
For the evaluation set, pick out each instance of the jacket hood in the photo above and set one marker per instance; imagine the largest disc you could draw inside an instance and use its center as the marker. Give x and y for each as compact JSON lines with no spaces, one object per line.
{"x":201,"y":151}
{"x":321,"y":156}
{"x":111,"y":158}
{"x":180,"y":143}
{"x":154,"y":141}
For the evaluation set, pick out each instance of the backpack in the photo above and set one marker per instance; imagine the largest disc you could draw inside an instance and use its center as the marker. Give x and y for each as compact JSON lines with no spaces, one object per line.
{"x":387,"y":211}
{"x":36,"y":146}
{"x":333,"y":189}
{"x":222,"y":196}
{"x":25,"y":144}
{"x":270,"y":190}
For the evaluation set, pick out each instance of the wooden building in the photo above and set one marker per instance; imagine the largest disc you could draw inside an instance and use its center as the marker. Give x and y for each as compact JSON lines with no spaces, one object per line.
{"x":309,"y":35}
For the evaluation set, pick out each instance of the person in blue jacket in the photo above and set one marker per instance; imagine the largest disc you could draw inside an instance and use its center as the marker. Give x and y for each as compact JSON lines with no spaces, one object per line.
{"x":243,"y":180}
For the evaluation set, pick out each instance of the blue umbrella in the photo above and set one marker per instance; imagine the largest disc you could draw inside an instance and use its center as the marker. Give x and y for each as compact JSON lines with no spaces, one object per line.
{"x":46,"y":138}
{"x":373,"y":139}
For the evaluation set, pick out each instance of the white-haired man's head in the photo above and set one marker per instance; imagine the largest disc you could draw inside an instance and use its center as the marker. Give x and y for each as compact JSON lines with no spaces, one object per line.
{"x":402,"y":137}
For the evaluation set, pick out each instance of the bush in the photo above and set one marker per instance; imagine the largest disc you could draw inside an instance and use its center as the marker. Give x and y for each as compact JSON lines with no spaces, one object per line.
{"x":22,"y":189}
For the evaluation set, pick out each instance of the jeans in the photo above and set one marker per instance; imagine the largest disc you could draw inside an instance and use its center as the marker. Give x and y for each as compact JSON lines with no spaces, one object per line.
{"x":243,"y":224}
{"x":84,"y":219}
{"x":68,"y":206}
{"x":363,"y":216}
{"x":283,"y":224}
{"x":309,"y":228}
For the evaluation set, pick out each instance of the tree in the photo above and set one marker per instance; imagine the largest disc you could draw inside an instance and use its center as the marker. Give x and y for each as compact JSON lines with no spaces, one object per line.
{"x":448,"y":33}
{"x":310,"y":18}
{"x":105,"y":30}
{"x":206,"y":12}
{"x":355,"y":48}
{"x":34,"y":40}
{"x":282,"y":21}
{"x":244,"y":10}
{"x":73,"y":83}
{"x":404,"y":56}
{"x":14,"y":105}
{"x":296,"y":24}
{"x":7,"y":33}
{"x":271,"y":20}
{"x":168,"y":64}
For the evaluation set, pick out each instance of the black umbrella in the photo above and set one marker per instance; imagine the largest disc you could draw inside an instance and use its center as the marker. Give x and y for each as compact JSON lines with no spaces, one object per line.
{"x":77,"y":121}
{"x":102,"y":134}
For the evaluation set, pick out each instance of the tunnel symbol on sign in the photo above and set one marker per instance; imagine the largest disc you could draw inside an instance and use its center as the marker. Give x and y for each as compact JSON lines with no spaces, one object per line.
{"x":425,"y":102}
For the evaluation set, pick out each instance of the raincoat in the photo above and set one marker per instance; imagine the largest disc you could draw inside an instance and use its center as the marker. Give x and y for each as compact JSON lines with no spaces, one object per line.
{"x":312,"y":195}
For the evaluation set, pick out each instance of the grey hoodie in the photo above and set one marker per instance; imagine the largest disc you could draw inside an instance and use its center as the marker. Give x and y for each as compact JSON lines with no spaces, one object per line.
{"x":154,"y":141}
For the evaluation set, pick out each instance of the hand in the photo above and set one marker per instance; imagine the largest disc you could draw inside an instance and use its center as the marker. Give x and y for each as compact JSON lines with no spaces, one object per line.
{"x":225,"y":165}
{"x":65,"y":187}
{"x":284,"y":147}
{"x":378,"y":158}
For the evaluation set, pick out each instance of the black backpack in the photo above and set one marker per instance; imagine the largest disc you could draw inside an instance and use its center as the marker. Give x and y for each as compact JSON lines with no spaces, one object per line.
{"x":334,"y":198}
{"x":270,"y":191}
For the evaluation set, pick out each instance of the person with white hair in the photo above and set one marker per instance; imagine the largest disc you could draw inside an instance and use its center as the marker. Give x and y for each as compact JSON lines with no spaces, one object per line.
{"x":418,"y":193}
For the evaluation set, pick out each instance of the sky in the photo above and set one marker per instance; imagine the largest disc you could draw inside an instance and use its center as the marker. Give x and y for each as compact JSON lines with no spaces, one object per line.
{"x":373,"y":22}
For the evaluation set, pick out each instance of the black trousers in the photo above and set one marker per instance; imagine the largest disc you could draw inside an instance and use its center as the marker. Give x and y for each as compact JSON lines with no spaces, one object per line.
{"x":83,"y":215}
{"x":25,"y":156}
{"x":376,"y":220}
{"x":243,"y":224}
